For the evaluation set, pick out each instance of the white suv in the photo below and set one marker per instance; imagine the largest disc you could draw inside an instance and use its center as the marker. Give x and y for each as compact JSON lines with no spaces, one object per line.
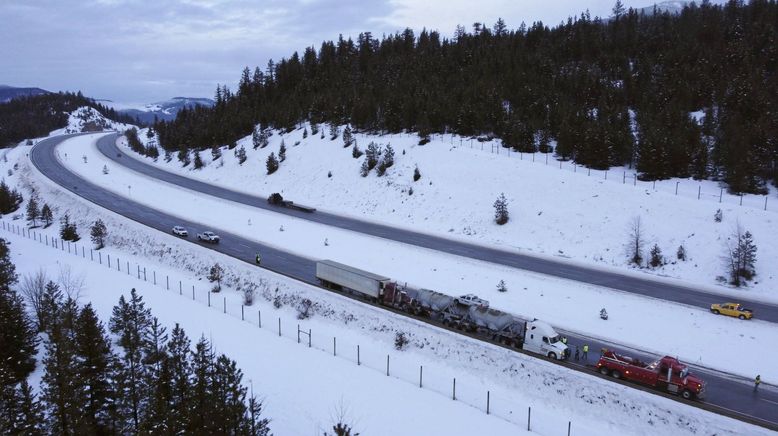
{"x":208,"y":237}
{"x":472,"y":300}
{"x":180,"y":231}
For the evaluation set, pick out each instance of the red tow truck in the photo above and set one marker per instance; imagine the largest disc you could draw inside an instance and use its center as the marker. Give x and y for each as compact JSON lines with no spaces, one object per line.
{"x":667,"y":374}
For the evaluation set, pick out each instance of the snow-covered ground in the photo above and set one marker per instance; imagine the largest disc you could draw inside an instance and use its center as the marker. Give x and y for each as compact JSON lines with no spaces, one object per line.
{"x":569,"y":213}
{"x":306,"y":389}
{"x":566,"y":304}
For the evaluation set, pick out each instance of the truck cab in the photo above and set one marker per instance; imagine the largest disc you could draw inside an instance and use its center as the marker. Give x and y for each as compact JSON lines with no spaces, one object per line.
{"x":542,"y":339}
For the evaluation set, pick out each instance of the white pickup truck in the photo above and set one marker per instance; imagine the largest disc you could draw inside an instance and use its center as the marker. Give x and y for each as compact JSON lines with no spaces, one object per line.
{"x":208,"y":236}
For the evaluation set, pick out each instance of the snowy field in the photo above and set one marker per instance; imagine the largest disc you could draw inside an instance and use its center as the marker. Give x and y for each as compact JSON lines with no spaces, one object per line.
{"x":565,"y":304}
{"x":569,"y":213}
{"x":306,"y":389}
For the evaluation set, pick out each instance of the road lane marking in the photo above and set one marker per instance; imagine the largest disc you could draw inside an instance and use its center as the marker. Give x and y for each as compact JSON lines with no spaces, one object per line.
{"x":769,"y":401}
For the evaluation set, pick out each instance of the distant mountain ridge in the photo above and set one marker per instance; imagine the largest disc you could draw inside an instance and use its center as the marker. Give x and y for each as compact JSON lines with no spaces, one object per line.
{"x":165,"y":110}
{"x":671,"y":6}
{"x":8,"y":93}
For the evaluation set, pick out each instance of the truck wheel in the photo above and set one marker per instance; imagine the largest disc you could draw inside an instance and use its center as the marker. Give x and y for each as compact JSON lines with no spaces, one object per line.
{"x":687,"y":394}
{"x":742,"y":317}
{"x":616,"y":374}
{"x":715,"y":312}
{"x":604,"y":370}
{"x":552,"y":356}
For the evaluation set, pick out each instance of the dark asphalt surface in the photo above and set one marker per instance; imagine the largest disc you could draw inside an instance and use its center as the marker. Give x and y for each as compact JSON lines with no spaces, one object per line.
{"x":725,"y":391}
{"x":561,"y":269}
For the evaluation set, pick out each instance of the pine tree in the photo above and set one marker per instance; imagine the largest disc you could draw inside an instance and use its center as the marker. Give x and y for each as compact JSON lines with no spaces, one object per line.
{"x":18,"y":336}
{"x":178,"y":350}
{"x":388,"y":159}
{"x":271,"y":163}
{"x":198,"y":160}
{"x":501,"y":215}
{"x":356,"y":153}
{"x":371,"y":155}
{"x":333,"y":131}
{"x":241,"y":155}
{"x":99,"y":233}
{"x":348,"y":139}
{"x":8,"y":275}
{"x":681,"y":253}
{"x":129,"y":322}
{"x":9,"y":199}
{"x":33,"y":210}
{"x":105,"y":169}
{"x":202,"y":407}
{"x":51,"y":303}
{"x":364,"y":169}
{"x":256,"y":425}
{"x":282,"y":151}
{"x":95,"y":372}
{"x":314,"y":129}
{"x":216,"y":153}
{"x":30,"y":420}
{"x":46,"y":215}
{"x":305,"y":133}
{"x":216,"y":274}
{"x":416,"y":174}
{"x":59,"y":386}
{"x":68,"y":230}
{"x":502,"y":287}
{"x":656,"y":257}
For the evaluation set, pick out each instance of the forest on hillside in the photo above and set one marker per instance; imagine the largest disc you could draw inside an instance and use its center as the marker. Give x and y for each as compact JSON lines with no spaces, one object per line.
{"x":35,"y":116}
{"x":687,"y":95}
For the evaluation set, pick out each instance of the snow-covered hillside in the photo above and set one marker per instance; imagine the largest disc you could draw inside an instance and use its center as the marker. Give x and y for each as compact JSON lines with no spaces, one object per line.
{"x":556,"y":208}
{"x":87,"y":119}
{"x":304,"y":388}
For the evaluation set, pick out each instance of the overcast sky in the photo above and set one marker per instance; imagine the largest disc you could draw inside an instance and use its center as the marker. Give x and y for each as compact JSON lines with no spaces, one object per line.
{"x":141,"y":51}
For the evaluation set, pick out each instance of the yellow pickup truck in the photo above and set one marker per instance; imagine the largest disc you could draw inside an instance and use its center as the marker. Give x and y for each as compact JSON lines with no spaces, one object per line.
{"x":732,"y":309}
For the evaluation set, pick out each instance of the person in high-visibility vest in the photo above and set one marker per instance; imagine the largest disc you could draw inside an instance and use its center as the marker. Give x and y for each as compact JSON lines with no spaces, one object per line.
{"x":258,"y":258}
{"x":757,"y":381}
{"x":564,"y":340}
{"x":585,"y":352}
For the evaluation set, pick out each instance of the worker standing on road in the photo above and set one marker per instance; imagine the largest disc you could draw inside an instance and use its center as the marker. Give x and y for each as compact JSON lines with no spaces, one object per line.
{"x":586,"y":352}
{"x":258,"y":259}
{"x":564,"y":340}
{"x":577,"y":353}
{"x":757,"y":382}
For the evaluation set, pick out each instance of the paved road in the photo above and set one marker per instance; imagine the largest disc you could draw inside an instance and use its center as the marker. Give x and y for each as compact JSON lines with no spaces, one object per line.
{"x":723,"y":391}
{"x":614,"y":280}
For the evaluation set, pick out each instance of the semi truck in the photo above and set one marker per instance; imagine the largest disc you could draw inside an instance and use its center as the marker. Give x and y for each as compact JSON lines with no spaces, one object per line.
{"x":534,"y":336}
{"x":667,"y":374}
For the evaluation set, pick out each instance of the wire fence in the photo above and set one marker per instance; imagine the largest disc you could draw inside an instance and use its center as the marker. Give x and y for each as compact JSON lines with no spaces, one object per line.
{"x":396,"y":366}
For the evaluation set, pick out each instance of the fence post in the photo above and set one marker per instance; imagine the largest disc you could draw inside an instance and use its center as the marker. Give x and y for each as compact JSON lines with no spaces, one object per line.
{"x":138,"y":270}
{"x":387,"y":365}
{"x":487,"y":402}
{"x":421,"y":374}
{"x":225,"y":305}
{"x":209,"y":297}
{"x":47,"y":240}
{"x":699,"y":191}
{"x":298,"y":333}
{"x":358,"y":362}
{"x":529,"y":415}
{"x":569,"y":424}
{"x":654,"y":186}
{"x":606,"y":175}
{"x":144,"y":273}
{"x":128,"y":269}
{"x":546,"y":158}
{"x":721,"y":194}
{"x":155,"y":278}
{"x":334,"y":346}
{"x":765,"y":202}
{"x":167,"y":282}
{"x":83,"y":253}
{"x":68,"y":244}
{"x":676,"y":187}
{"x":180,"y":290}
{"x":242,"y":317}
{"x":454,"y":392}
{"x":635,"y":176}
{"x":91,"y":255}
{"x":741,"y":198}
{"x":310,"y":333}
{"x":259,"y":317}
{"x":279,"y":326}
{"x":119,"y":266}
{"x":624,"y":178}
{"x":588,"y":172}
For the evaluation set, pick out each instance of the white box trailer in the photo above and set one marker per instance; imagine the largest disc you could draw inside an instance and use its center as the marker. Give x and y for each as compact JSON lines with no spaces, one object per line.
{"x":339,"y":276}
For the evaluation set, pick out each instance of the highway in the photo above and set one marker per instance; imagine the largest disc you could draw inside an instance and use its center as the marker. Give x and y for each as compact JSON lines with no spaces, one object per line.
{"x":565,"y":270}
{"x":726,"y":394}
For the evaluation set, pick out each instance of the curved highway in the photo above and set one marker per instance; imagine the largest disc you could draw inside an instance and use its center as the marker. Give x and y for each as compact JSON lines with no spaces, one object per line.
{"x":565,"y":270}
{"x":726,"y":394}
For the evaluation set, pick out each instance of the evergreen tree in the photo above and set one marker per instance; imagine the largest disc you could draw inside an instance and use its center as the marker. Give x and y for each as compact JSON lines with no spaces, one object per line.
{"x":501,"y":215}
{"x":202,"y":407}
{"x":9,"y":199}
{"x":95,"y":375}
{"x":334,"y":132}
{"x":8,"y":275}
{"x":230,"y":395}
{"x":305,"y":133}
{"x":314,"y":129}
{"x":59,"y":386}
{"x":18,"y":338}
{"x":129,"y":322}
{"x":20,"y":412}
{"x":282,"y":151}
{"x":105,"y":169}
{"x":178,"y":350}
{"x":656,"y":257}
{"x":356,"y":153}
{"x":99,"y":233}
{"x":216,"y":274}
{"x":388,"y":159}
{"x":33,"y":210}
{"x":198,"y":160}
{"x":371,"y":155}
{"x":46,"y":215}
{"x":364,"y":169}
{"x":183,"y":156}
{"x":681,"y":253}
{"x":216,"y":153}
{"x":271,"y":163}
{"x":416,"y":174}
{"x":68,"y":230}
{"x":241,"y":155}
{"x":348,"y":138}
{"x":256,"y":426}
{"x":502,"y":287}
{"x":51,"y":303}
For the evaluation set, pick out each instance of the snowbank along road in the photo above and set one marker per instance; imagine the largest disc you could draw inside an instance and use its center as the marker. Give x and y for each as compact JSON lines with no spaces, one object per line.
{"x":723,"y":391}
